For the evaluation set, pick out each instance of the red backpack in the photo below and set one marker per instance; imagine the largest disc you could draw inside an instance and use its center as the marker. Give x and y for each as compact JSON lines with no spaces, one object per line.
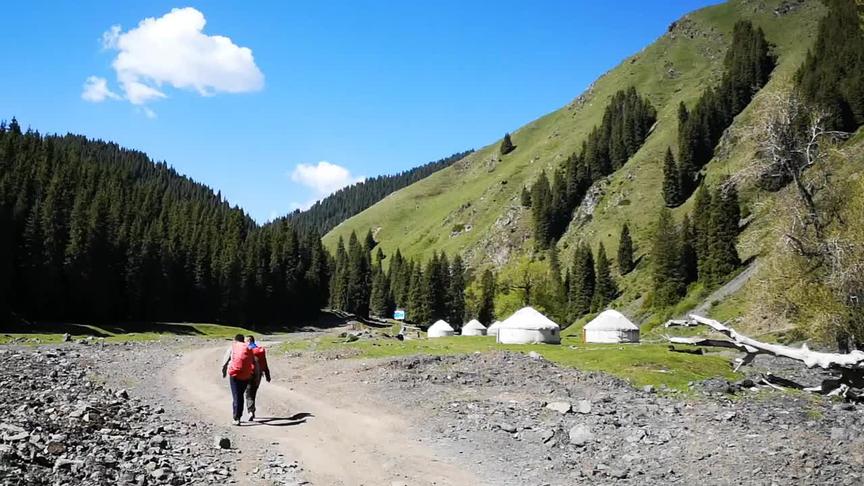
{"x":241,"y":361}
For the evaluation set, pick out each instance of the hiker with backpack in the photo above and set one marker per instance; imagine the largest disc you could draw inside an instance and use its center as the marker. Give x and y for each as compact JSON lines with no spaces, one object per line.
{"x":261,"y":368}
{"x":238,"y":365}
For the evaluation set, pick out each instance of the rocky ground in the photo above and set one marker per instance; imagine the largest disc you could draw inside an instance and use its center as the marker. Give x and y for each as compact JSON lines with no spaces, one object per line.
{"x":69,"y":419}
{"x":60,"y":426}
{"x":87,"y":413}
{"x":545,"y":425}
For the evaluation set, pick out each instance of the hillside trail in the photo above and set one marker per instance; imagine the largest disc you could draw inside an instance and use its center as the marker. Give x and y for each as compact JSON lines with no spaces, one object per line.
{"x":331,"y":429}
{"x":725,"y":291}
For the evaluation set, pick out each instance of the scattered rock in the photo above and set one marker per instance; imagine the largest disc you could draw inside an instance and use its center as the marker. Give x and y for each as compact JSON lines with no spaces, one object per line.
{"x":584,"y":406}
{"x":560,"y":407}
{"x":580,"y":435}
{"x":223,"y":442}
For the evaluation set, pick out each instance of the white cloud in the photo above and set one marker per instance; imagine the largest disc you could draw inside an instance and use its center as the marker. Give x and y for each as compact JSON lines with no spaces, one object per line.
{"x":324,"y":177}
{"x":96,"y":90}
{"x":173,"y":50}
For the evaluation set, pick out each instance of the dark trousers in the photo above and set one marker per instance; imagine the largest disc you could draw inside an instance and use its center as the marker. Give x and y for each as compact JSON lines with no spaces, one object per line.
{"x":238,"y":388}
{"x":252,"y":391}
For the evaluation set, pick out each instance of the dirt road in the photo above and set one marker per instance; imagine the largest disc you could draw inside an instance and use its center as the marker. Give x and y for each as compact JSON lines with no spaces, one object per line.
{"x":338,"y":437}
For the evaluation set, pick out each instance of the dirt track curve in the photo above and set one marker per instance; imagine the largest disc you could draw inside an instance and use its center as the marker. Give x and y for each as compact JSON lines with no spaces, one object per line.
{"x":336,"y":437}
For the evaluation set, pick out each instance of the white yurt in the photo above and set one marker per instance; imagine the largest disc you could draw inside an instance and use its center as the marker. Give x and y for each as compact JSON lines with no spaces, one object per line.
{"x":610,"y":327}
{"x":527,"y":326}
{"x":493,"y":329}
{"x":440,"y":329}
{"x":474,"y":328}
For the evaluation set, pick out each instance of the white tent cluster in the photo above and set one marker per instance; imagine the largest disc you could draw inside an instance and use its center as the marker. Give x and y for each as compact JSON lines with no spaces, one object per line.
{"x":528,"y":326}
{"x":474,"y":328}
{"x":440,"y":329}
{"x":610,"y":326}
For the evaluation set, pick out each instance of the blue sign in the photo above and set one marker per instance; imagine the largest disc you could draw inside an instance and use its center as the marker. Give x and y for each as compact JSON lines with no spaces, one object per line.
{"x":399,"y":315}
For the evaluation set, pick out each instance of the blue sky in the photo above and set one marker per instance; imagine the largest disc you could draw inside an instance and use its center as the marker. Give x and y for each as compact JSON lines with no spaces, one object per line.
{"x":369,"y":87}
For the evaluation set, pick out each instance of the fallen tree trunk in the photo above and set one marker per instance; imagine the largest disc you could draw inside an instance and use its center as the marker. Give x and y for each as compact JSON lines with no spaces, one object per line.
{"x":849,"y":365}
{"x":853,"y":360}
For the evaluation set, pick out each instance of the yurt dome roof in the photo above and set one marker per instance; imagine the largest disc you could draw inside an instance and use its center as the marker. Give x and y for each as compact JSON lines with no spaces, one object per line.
{"x":474,"y":324}
{"x":441,"y":325}
{"x":611,"y":320}
{"x":529,"y":318}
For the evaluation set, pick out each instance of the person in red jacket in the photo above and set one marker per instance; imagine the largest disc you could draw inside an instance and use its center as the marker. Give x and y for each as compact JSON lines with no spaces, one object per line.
{"x":239,"y":365}
{"x":261,"y":368}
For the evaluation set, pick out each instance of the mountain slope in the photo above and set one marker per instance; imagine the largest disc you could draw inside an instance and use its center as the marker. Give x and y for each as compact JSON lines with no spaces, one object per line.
{"x":346,"y":202}
{"x":473,"y":207}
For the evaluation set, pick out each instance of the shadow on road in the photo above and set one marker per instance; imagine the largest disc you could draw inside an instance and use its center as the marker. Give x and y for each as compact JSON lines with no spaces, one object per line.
{"x":296,"y":419}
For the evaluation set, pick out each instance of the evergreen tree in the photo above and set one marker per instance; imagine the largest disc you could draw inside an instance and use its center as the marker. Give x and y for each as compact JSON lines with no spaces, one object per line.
{"x":486,"y":312}
{"x":359,"y":278}
{"x":671,"y":181}
{"x":625,"y":251}
{"x":97,"y":233}
{"x":369,"y":241}
{"x":506,"y":145}
{"x":541,"y":211}
{"x":687,"y":250}
{"x":723,"y":256}
{"x":582,"y":282}
{"x":702,"y":231}
{"x":832,"y":76}
{"x":380,"y":303}
{"x":419,"y":310}
{"x":668,"y":281}
{"x":747,"y":67}
{"x":605,"y":289}
{"x":525,"y":197}
{"x":626,"y":123}
{"x":456,"y":291}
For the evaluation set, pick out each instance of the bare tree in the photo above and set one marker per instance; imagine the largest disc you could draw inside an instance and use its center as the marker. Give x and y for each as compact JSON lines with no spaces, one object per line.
{"x":793,"y":145}
{"x":792,"y":138}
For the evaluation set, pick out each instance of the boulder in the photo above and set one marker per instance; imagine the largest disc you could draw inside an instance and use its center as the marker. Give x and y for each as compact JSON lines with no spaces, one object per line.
{"x":581,"y":435}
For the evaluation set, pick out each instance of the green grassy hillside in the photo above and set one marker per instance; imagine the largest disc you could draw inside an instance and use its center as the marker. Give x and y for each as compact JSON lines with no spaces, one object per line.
{"x":473,"y":206}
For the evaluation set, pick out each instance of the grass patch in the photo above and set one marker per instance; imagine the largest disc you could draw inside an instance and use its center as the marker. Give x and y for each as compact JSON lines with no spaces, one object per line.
{"x":36,"y":334}
{"x":640,"y":364}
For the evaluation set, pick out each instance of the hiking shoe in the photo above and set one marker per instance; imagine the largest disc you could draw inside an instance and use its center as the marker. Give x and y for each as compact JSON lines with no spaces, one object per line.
{"x":252,"y":417}
{"x":236,"y":422}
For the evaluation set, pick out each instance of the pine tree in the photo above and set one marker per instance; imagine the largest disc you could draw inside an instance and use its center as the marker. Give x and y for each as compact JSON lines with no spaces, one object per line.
{"x":625,"y":251}
{"x":506,"y":145}
{"x":525,"y":197}
{"x":671,"y":181}
{"x":687,"y":250}
{"x":605,"y":289}
{"x":369,"y":241}
{"x":456,"y":291}
{"x":380,"y":303}
{"x":418,"y":306}
{"x":359,"y":278}
{"x":339,"y":278}
{"x":668,"y":282}
{"x":725,"y":214}
{"x":541,"y":210}
{"x":486,"y":312}
{"x":832,"y":76}
{"x":582,"y":282}
{"x":702,"y":231}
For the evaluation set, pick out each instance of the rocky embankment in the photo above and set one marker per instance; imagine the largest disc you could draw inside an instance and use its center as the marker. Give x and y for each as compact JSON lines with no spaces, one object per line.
{"x":60,"y":426}
{"x":542,"y":424}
